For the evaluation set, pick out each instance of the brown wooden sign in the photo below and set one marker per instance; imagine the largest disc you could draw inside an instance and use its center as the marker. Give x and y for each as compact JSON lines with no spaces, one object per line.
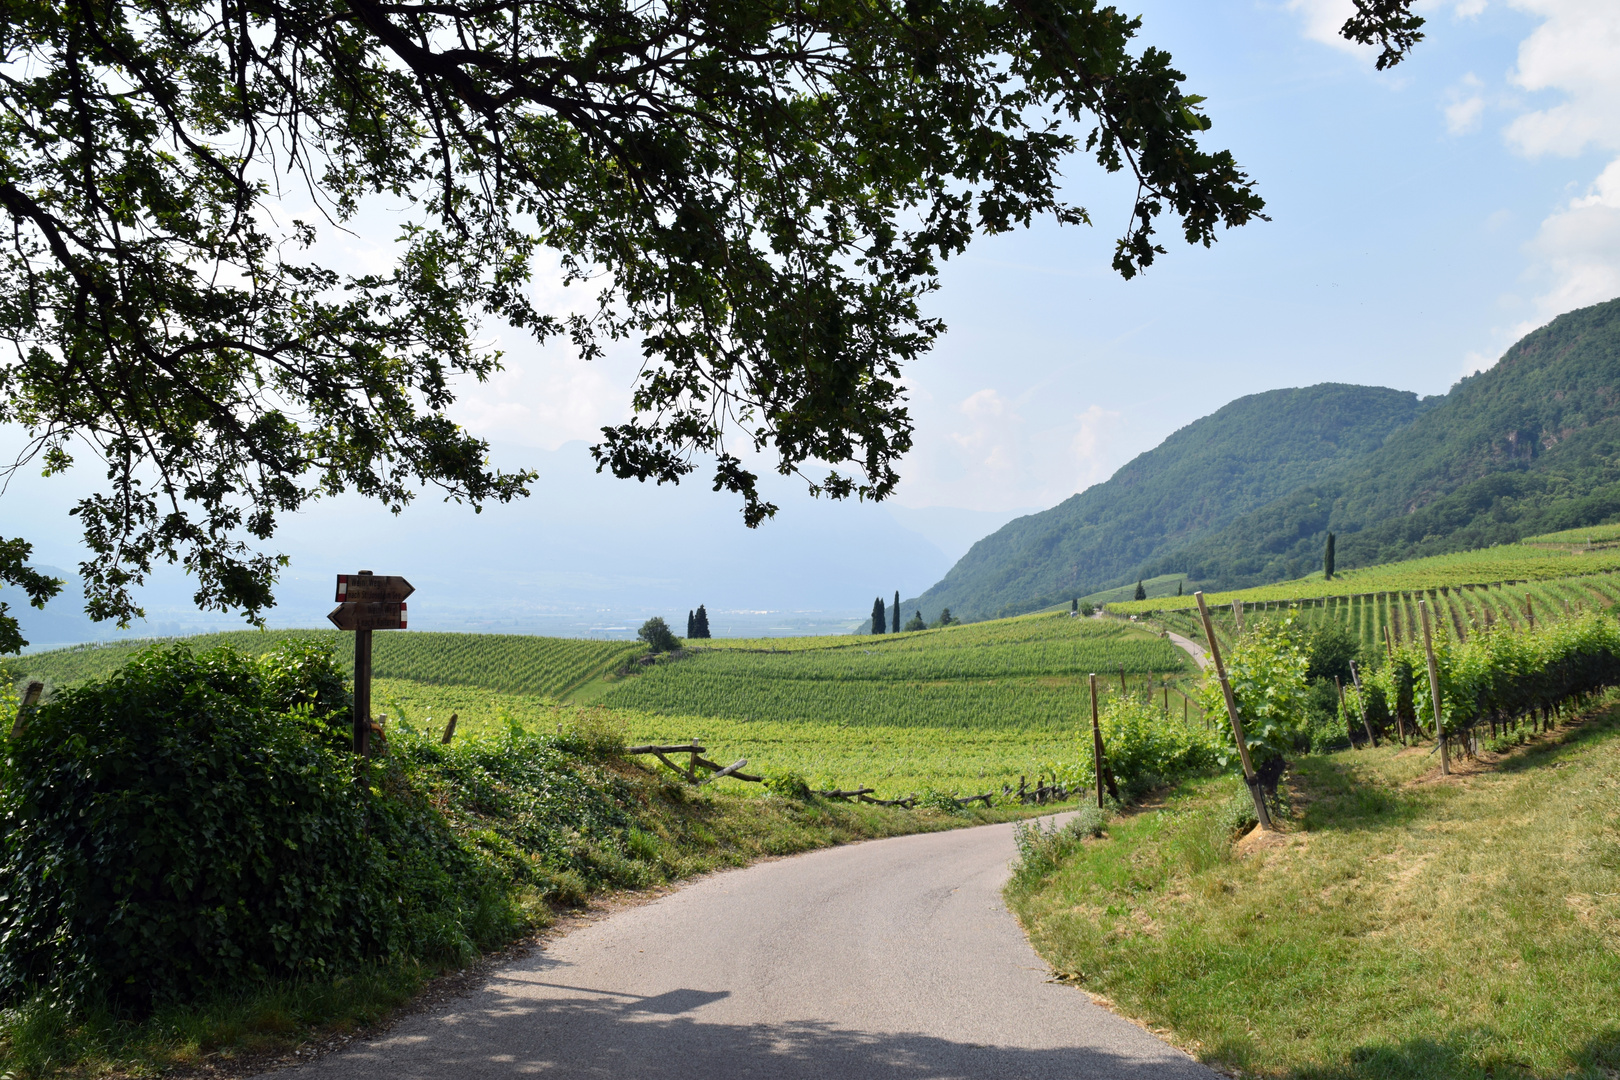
{"x":367,"y":602}
{"x":368,"y":616}
{"x":367,"y":587}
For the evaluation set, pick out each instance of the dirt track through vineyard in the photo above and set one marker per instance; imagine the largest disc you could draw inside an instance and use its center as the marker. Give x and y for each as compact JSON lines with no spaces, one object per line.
{"x":888,"y":960}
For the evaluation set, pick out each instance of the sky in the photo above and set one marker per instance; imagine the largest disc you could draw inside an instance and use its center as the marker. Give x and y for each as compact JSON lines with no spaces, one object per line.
{"x":1422,"y":220}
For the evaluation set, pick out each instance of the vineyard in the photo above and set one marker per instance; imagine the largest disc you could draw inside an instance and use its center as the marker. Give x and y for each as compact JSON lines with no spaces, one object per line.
{"x":1494,"y":566}
{"x":1593,"y":534}
{"x":505,"y":662}
{"x":1005,"y":675}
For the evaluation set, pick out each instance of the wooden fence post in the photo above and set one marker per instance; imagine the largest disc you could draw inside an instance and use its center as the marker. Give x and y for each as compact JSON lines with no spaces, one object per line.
{"x":1096,"y":743}
{"x":1361,"y":703}
{"x":1249,"y":777}
{"x":1434,"y":691}
{"x":1344,"y":713}
{"x":1122,"y":689}
{"x":30,"y":698}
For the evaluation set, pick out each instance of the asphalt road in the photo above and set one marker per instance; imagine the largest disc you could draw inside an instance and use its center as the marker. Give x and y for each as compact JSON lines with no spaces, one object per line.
{"x":891,"y":960}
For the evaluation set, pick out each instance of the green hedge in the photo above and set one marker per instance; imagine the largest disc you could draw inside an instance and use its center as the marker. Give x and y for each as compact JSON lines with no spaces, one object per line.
{"x":191,"y":823}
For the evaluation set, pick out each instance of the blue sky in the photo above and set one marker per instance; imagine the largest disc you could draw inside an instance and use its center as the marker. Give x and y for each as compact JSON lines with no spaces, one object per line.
{"x":1422,"y":220}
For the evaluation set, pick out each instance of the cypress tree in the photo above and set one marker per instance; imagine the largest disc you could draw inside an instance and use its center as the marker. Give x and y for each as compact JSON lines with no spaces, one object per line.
{"x":1178,"y":593}
{"x":894,"y":623}
{"x":1141,"y":593}
{"x":1074,"y":606}
{"x":689,"y":624}
{"x":1327,"y":560}
{"x":700,"y":624}
{"x":879,"y":623}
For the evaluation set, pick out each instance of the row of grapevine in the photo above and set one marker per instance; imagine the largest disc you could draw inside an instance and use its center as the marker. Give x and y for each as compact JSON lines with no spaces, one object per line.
{"x":1500,"y":677}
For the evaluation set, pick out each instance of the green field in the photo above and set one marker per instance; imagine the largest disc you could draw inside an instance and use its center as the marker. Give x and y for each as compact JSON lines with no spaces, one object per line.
{"x":963,"y":708}
{"x":1009,"y":674}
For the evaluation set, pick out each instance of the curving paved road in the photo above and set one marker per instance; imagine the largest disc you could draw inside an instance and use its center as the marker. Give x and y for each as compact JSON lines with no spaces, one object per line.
{"x":887,"y":960}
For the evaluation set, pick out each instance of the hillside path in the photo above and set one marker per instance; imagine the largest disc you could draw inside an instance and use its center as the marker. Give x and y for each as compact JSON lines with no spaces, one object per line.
{"x":1196,"y":651}
{"x":886,"y":960}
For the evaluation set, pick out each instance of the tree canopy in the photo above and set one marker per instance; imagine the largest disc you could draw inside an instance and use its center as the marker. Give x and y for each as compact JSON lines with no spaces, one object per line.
{"x":756,"y":194}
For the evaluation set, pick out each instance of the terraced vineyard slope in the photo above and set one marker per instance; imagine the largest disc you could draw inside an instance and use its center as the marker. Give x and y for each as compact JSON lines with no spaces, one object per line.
{"x":509,"y":663}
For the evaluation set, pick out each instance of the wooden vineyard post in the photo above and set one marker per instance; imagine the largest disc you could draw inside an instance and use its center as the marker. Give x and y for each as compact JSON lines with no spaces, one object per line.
{"x":1123,"y":690}
{"x":30,"y":698}
{"x":1529,"y":611}
{"x":367,"y":602}
{"x":450,"y":730}
{"x":1361,"y":704}
{"x":1344,"y":714}
{"x":1167,"y":699}
{"x":1096,"y":744}
{"x":1237,"y":616}
{"x":1434,"y":691}
{"x":1389,"y":642}
{"x":1249,"y":777}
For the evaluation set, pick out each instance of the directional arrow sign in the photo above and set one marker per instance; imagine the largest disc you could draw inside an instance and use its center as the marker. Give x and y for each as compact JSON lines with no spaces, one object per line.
{"x":372,"y":588}
{"x":368,"y":616}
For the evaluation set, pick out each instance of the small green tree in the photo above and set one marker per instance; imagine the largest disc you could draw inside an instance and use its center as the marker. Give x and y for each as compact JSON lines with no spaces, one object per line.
{"x":1087,"y":611}
{"x":946,"y":618}
{"x":916,"y":622}
{"x":1141,"y":593}
{"x":657,"y":634}
{"x":1327,"y":559}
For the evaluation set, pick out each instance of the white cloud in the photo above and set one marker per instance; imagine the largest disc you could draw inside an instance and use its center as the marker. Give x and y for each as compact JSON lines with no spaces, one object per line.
{"x":1575,"y":52}
{"x":1094,"y":456}
{"x":1578,"y":249}
{"x":1323,"y":20}
{"x":1465,"y":105}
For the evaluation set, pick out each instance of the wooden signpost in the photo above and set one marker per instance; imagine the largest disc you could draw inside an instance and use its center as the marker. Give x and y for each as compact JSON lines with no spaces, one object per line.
{"x":367,"y":602}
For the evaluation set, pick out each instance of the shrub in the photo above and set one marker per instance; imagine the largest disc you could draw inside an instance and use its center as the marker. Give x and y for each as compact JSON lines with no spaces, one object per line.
{"x":658,"y":636}
{"x":1143,"y":748}
{"x":174,"y":829}
{"x":1267,"y":672}
{"x":789,"y":785}
{"x":1042,"y":850}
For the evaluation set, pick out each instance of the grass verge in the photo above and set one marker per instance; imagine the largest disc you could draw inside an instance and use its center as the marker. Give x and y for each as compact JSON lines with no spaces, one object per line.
{"x":1401,"y":925}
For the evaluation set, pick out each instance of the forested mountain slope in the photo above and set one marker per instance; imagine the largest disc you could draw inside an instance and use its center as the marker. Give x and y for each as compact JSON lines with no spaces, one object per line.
{"x":1197,"y":482}
{"x":1530,"y":446}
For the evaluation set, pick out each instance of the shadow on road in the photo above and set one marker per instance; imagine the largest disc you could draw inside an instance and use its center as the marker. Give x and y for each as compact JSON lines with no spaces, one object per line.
{"x":507,"y":1031}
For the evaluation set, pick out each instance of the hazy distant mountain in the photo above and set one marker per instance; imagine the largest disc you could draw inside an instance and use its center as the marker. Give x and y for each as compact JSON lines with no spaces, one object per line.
{"x":1195,"y":483}
{"x":586,"y":554}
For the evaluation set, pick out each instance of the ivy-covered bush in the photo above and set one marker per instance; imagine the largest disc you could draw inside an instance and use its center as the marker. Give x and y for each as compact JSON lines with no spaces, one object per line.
{"x":184,"y":825}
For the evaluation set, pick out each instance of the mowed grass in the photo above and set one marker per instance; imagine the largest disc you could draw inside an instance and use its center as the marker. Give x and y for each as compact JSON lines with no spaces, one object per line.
{"x":895,"y":760}
{"x":1405,"y":928}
